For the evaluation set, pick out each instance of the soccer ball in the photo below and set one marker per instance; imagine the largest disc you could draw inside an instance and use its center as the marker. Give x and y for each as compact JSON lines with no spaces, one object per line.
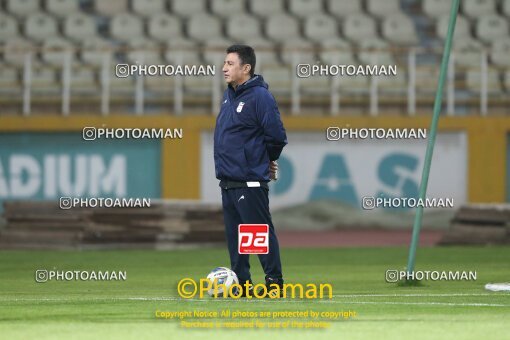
{"x":223,"y":276}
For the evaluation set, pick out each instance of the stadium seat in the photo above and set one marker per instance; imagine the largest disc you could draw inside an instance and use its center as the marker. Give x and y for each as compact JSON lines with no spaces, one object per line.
{"x":161,"y":26}
{"x":375,"y":51}
{"x":162,"y":84}
{"x":55,"y":49}
{"x":462,"y":29}
{"x":477,"y":8}
{"x":202,"y":27}
{"x":15,"y":49}
{"x":358,"y":27}
{"x":146,"y":8}
{"x":505,"y":7}
{"x":467,"y":52}
{"x":227,"y":8}
{"x":399,"y":29}
{"x":491,"y":27}
{"x":301,"y":48}
{"x":281,"y":27}
{"x":304,"y":8}
{"x":316,"y":85}
{"x":143,"y":49}
{"x":62,"y":8}
{"x":500,"y":52}
{"x":265,"y":52}
{"x":183,"y":49}
{"x":83,"y":79}
{"x":436,"y":8}
{"x":39,"y":26}
{"x":44,"y":78}
{"x":214,"y":51}
{"x":9,"y":78}
{"x":110,"y":7}
{"x":279,"y":79}
{"x":79,"y":26}
{"x":201,"y":85}
{"x":126,"y":26}
{"x":506,"y":81}
{"x":354,"y":85}
{"x":8,"y":27}
{"x":474,"y":81}
{"x":344,"y":8}
{"x":243,"y":27}
{"x":393,"y":85}
{"x":22,"y":8}
{"x":265,"y":8}
{"x":186,"y":8}
{"x":381,"y":9}
{"x":319,"y":27}
{"x":93,"y":51}
{"x":426,"y":79}
{"x":336,"y":51}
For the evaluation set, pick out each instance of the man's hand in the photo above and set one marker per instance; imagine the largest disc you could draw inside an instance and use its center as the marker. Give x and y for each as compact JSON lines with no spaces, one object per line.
{"x":273,"y":170}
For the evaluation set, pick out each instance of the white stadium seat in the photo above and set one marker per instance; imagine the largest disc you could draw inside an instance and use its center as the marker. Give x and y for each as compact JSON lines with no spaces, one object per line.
{"x":491,"y":27}
{"x":186,"y":8}
{"x":15,"y":50}
{"x":505,"y":6}
{"x":62,"y":8}
{"x":384,"y":8}
{"x":500,"y":52}
{"x":393,"y":84}
{"x":319,"y":27}
{"x":44,"y":78}
{"x":462,"y":29}
{"x":110,"y":7}
{"x":144,"y":51}
{"x":8,"y":27}
{"x":9,"y":78}
{"x":303,"y":8}
{"x":477,"y":8}
{"x":399,"y":29}
{"x":227,"y":8}
{"x":214,"y":51}
{"x":83,"y":79}
{"x":336,"y":51}
{"x":202,"y":27}
{"x":344,"y":8}
{"x":146,"y":8}
{"x":436,"y":8}
{"x":22,"y":8}
{"x":163,"y":26}
{"x":264,"y":8}
{"x":281,"y":27}
{"x":474,"y":81}
{"x":265,"y":52}
{"x":506,"y":80}
{"x":183,"y":51}
{"x":125,"y":26}
{"x":243,"y":27}
{"x":302,"y":49}
{"x":279,"y":79}
{"x":93,"y":51}
{"x":79,"y":26}
{"x":39,"y":26}
{"x":467,"y":52}
{"x":358,"y":27}
{"x":375,"y":52}
{"x":54,"y":50}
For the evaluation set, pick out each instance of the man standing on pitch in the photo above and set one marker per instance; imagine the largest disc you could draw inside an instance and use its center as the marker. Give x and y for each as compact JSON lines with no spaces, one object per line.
{"x":248,"y":139}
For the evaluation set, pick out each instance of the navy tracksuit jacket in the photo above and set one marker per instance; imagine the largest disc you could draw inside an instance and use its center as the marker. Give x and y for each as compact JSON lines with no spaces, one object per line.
{"x":249,"y":133}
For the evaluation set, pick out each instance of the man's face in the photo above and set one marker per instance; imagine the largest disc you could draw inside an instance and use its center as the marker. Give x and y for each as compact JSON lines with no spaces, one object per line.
{"x":233,"y":72}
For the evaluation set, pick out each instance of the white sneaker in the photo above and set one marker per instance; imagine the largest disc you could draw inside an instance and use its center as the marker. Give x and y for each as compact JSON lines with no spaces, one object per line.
{"x":498,"y":287}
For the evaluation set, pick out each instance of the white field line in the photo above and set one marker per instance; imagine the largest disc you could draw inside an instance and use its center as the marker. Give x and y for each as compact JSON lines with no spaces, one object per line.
{"x":173,"y":298}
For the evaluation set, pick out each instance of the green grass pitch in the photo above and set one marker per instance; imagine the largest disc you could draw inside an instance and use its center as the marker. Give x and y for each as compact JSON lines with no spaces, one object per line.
{"x":126,"y":309}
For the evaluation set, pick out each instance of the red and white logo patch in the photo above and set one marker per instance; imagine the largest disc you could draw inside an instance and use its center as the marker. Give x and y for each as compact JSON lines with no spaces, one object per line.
{"x":253,"y":239}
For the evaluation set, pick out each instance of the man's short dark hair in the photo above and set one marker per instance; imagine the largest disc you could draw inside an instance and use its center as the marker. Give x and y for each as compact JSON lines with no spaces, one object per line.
{"x":246,"y":55}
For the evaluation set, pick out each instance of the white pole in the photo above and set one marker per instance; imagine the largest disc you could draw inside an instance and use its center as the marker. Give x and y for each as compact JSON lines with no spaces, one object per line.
{"x":139,"y":90}
{"x":27,"y":83}
{"x":411,"y":85}
{"x":484,"y":85}
{"x":216,"y":87}
{"x":450,"y":99}
{"x":105,"y":84}
{"x":178,"y":89}
{"x":335,"y":88}
{"x":66,"y":83}
{"x":374,"y":98}
{"x":295,"y":93}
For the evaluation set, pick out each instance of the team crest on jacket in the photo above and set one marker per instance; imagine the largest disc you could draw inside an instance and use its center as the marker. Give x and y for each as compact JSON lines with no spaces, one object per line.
{"x":240,"y":107}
